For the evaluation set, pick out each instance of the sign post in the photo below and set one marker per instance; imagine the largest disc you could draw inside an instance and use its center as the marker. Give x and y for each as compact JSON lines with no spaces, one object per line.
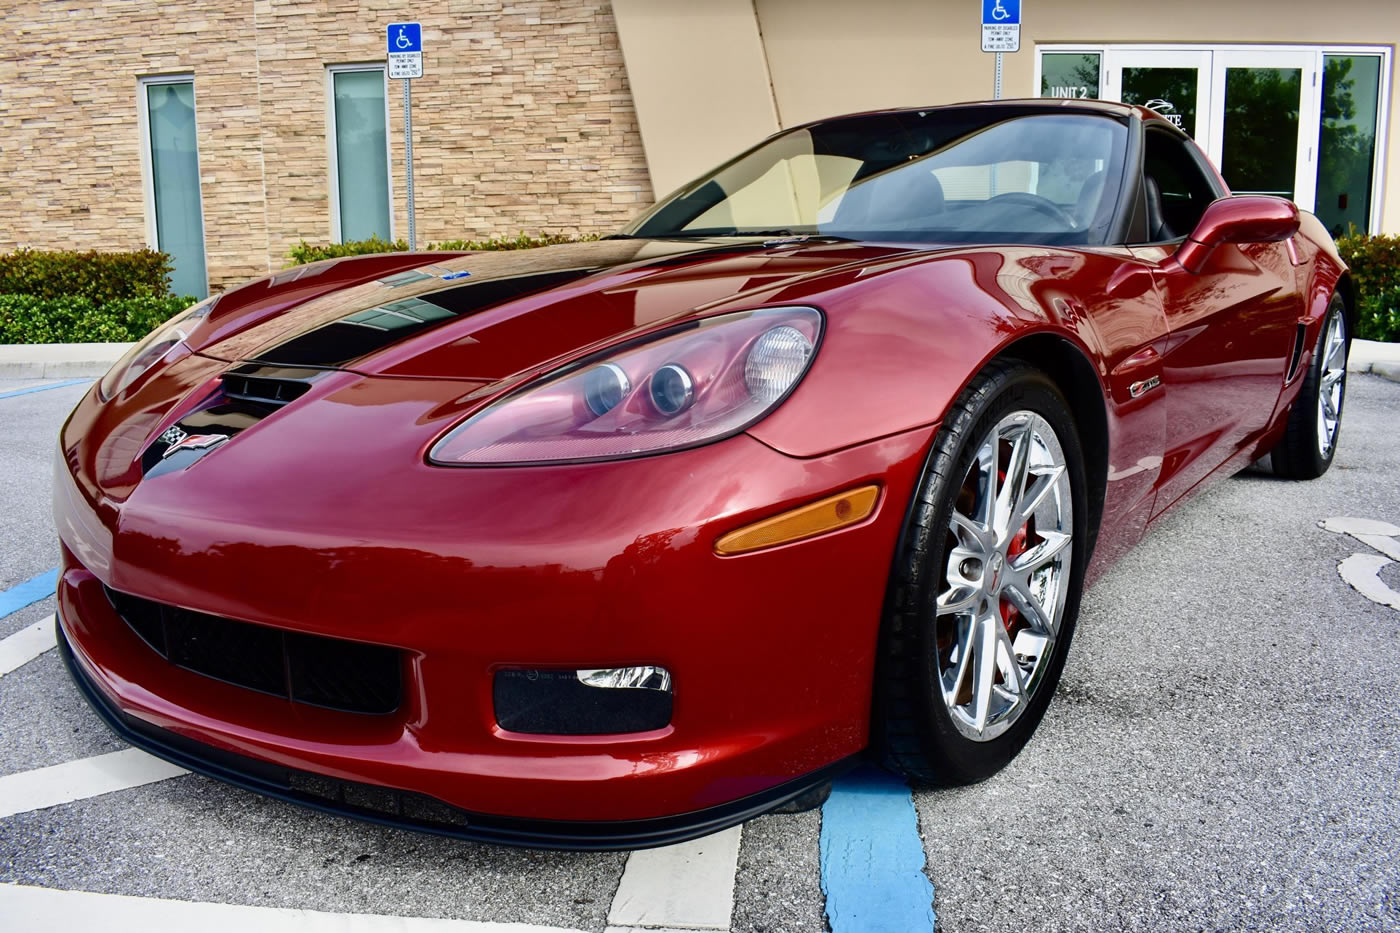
{"x":405,"y":51}
{"x":1001,"y":30}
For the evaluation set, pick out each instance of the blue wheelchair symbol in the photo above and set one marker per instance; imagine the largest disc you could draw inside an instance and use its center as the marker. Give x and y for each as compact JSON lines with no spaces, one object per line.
{"x":1001,"y":12}
{"x":405,"y":37}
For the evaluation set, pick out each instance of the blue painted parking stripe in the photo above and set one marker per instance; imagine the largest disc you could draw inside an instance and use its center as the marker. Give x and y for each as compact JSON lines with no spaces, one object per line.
{"x":27,"y":593}
{"x":43,"y":388}
{"x":872,"y":859}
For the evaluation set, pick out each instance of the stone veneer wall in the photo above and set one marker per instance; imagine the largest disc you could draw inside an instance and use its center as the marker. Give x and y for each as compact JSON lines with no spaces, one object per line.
{"x":523,"y":120}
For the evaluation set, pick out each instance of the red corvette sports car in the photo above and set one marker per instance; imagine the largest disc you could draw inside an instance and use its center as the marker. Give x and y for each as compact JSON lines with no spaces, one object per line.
{"x":612,"y":544}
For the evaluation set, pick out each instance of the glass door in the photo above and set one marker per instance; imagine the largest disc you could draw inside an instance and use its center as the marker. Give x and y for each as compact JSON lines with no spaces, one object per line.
{"x":1264,"y":122}
{"x":1176,"y":84}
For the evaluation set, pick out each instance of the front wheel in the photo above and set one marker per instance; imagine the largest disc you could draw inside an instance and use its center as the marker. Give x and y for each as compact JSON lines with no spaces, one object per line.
{"x":1315,"y":421}
{"x":986,"y":583}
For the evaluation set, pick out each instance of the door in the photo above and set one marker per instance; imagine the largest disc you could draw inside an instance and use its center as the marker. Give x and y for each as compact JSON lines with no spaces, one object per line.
{"x":1231,"y":326}
{"x":1264,"y":123}
{"x":1254,"y":112}
{"x":1176,"y":84}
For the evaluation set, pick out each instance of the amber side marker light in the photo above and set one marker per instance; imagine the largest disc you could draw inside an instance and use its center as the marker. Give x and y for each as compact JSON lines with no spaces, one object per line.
{"x":814,"y":518}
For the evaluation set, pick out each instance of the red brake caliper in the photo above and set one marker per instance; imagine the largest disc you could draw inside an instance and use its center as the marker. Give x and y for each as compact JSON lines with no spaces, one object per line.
{"x":1009,"y":614}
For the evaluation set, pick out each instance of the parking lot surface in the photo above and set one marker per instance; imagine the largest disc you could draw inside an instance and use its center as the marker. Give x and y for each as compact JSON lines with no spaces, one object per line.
{"x":1223,"y":753}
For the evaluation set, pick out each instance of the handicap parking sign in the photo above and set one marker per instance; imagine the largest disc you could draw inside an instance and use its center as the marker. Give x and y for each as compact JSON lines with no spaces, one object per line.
{"x":1001,"y":25}
{"x":405,"y":50}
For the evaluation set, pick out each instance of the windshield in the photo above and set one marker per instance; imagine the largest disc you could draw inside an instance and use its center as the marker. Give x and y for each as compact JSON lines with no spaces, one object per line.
{"x":963,"y":176}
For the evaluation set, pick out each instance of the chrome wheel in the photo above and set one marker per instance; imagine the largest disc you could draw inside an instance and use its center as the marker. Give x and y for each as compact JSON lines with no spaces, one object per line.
{"x":1332,"y":385}
{"x":1006,"y":577}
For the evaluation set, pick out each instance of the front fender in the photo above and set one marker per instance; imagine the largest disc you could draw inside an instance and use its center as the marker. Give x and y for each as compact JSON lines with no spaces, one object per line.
{"x":903,"y":340}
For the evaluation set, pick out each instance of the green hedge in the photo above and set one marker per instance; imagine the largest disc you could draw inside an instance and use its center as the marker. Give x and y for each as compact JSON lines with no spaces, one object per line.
{"x":1375,"y":265}
{"x":77,"y":319}
{"x":99,"y":277}
{"x":305,"y":252}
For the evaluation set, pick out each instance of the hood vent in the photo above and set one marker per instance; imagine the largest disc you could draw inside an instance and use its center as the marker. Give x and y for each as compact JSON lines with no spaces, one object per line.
{"x":249,"y":394}
{"x":263,"y":390}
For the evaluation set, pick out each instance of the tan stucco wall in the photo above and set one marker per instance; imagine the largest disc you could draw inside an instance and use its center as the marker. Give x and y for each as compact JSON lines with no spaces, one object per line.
{"x":704,"y":95}
{"x":825,"y":57}
{"x":522,"y":122}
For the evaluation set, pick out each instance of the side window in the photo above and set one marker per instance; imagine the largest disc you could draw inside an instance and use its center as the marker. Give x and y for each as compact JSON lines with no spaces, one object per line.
{"x":1178,"y":192}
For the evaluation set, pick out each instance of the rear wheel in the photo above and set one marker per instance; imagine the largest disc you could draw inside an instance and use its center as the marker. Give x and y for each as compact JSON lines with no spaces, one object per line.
{"x":986,"y":584}
{"x":1315,"y":421}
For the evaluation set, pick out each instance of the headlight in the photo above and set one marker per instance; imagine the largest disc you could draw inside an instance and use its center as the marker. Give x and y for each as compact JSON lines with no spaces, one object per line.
{"x":698,"y":383}
{"x":152,"y":349}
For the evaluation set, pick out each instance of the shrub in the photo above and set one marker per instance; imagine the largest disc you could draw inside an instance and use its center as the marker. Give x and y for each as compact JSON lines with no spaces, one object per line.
{"x":99,"y":277}
{"x":305,"y":252}
{"x":78,"y":319}
{"x":1375,"y":267}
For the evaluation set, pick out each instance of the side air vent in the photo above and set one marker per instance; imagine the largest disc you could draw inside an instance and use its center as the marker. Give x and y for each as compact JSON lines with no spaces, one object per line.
{"x":1297,"y":353}
{"x":263,"y":390}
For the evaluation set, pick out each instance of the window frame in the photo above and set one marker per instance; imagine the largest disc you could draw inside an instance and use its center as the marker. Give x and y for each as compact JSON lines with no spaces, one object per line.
{"x":1382,"y":128}
{"x":332,"y":149}
{"x":1192,"y":154}
{"x":148,"y":176}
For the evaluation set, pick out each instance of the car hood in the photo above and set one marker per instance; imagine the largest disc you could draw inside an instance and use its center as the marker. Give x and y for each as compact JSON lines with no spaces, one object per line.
{"x":486,"y":316}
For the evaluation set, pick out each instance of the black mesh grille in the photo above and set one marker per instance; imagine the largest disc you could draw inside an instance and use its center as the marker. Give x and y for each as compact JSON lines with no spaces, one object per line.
{"x":312,"y":669}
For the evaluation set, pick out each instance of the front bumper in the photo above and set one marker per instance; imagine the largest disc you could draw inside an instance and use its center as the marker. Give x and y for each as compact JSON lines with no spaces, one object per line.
{"x":470,"y":572}
{"x":407,"y":810}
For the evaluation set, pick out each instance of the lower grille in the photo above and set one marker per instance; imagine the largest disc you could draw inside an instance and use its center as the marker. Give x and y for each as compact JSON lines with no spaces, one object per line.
{"x":311,"y":669}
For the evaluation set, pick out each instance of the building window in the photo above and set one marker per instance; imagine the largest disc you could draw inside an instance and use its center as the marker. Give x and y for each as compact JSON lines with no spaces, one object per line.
{"x":1070,"y":74}
{"x":359,"y":153}
{"x":1302,"y":121}
{"x":1346,"y":148}
{"x":170,"y":162}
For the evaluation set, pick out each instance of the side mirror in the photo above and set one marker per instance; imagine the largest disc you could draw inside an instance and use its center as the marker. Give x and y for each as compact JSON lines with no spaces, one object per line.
{"x":1243,"y":218}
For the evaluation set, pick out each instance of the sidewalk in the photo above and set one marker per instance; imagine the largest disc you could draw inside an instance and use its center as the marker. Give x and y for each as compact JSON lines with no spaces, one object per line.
{"x":58,"y":360}
{"x":1368,"y":356}
{"x":72,"y":360}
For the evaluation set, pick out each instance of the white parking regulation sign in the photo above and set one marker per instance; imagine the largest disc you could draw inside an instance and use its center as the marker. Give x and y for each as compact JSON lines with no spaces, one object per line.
{"x":405,"y":50}
{"x":1001,"y":25}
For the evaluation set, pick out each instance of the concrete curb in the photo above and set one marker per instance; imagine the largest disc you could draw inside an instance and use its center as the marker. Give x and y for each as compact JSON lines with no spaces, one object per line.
{"x":1371,"y":356}
{"x":58,"y":360}
{"x":74,"y":360}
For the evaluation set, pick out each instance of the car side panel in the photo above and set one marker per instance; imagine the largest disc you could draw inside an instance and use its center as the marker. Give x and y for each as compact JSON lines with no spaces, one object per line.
{"x":1233,"y":328}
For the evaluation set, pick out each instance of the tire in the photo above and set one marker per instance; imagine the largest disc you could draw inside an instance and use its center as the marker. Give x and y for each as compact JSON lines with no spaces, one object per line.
{"x":953,"y":594}
{"x":1314,"y":424}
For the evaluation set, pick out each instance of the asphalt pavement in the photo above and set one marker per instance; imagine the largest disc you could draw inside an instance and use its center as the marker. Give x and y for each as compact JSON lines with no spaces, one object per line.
{"x":1222,"y":754}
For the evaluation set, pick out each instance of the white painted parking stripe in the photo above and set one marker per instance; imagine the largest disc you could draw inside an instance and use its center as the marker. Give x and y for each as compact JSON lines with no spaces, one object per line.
{"x":29,"y":909}
{"x":689,"y":885}
{"x":25,"y":645}
{"x":81,"y":779}
{"x":1363,"y":573}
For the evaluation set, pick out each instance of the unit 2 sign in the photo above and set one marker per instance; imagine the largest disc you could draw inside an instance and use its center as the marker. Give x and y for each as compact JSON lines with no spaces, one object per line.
{"x":1001,"y":25}
{"x":405,"y":50}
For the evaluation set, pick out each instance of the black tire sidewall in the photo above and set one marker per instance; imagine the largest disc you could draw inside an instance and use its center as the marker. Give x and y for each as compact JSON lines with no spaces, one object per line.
{"x":954,"y":758}
{"x":1297,"y":455}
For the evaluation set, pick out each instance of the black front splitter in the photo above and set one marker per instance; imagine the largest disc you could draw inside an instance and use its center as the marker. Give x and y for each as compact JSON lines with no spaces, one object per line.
{"x":407,"y":810}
